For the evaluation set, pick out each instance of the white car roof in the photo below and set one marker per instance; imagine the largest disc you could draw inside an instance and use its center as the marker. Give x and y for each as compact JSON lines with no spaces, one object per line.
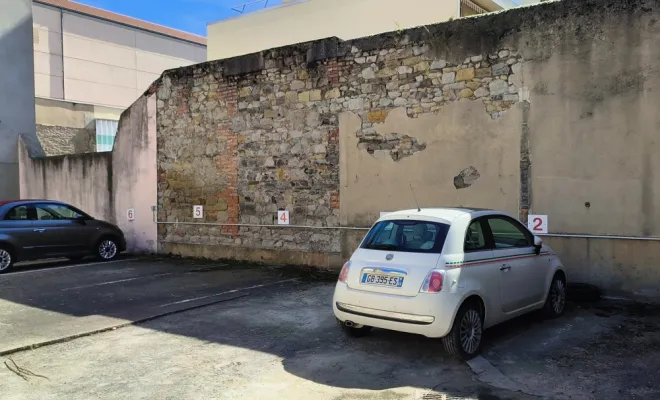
{"x":447,"y":214}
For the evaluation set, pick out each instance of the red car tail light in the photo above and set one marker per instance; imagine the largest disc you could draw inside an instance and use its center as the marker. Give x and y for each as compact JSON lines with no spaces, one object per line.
{"x":433,"y":282}
{"x":344,"y":271}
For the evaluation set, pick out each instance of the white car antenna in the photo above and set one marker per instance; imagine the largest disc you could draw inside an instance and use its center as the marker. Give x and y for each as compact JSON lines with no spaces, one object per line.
{"x":415,"y":197}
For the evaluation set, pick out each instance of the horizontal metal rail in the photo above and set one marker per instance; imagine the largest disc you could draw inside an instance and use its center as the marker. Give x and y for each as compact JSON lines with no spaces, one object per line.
{"x":567,"y":235}
{"x":350,"y":228}
{"x":357,"y":228}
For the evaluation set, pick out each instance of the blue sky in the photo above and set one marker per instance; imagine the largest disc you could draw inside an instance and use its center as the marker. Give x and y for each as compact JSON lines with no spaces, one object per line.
{"x":186,"y":15}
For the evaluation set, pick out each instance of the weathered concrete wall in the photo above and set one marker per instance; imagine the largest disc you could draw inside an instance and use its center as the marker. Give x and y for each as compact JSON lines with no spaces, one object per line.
{"x":547,"y":109}
{"x":134,"y":174}
{"x":105,"y":184}
{"x":621,"y":267}
{"x":81,"y":180}
{"x":16,"y":89}
{"x":453,"y":128}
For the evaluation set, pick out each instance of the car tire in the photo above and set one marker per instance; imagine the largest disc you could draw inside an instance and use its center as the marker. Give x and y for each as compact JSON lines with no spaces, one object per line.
{"x":555,"y":302}
{"x":470,"y":325}
{"x":6,"y":259}
{"x":106,"y":249}
{"x":353,"y":331}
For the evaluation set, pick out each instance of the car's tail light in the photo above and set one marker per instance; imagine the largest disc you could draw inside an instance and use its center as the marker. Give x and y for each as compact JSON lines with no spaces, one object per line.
{"x":344,"y":272}
{"x":433,"y":282}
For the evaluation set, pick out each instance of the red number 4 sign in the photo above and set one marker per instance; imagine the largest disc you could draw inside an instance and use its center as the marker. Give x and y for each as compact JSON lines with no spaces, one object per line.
{"x":283,"y":218}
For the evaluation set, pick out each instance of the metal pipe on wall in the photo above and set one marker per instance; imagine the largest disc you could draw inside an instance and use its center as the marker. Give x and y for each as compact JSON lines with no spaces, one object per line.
{"x":356,"y":228}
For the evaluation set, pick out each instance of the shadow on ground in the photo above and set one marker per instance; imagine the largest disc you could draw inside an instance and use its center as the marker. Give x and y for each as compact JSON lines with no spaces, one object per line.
{"x":289,"y":326}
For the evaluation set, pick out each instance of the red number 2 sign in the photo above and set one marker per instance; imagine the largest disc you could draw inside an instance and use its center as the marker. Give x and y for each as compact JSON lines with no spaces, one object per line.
{"x":538,"y":224}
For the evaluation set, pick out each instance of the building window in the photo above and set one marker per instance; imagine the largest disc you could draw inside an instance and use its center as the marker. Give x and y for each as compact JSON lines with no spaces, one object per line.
{"x":106,"y":130}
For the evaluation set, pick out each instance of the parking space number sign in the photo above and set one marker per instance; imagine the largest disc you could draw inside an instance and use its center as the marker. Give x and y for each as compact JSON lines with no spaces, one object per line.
{"x":538,"y":224}
{"x":130,"y":214}
{"x":198,"y":212}
{"x":283,"y":218}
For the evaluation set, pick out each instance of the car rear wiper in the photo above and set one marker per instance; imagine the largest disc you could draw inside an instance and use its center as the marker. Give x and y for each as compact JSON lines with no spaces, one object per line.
{"x":383,"y":247}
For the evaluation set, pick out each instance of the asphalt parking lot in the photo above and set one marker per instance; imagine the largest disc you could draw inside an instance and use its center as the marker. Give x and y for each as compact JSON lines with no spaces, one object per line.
{"x":215,"y":331}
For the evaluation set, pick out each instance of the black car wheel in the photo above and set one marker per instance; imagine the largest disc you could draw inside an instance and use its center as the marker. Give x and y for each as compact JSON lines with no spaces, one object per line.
{"x":464,"y":339}
{"x":556,"y":300}
{"x":6,"y":259}
{"x":107,"y":249}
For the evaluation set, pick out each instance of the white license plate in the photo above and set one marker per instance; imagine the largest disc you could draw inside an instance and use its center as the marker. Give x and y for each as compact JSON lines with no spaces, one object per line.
{"x":382,"y":280}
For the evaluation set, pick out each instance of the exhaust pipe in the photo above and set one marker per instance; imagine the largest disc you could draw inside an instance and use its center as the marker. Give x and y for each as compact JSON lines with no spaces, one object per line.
{"x":349,"y":324}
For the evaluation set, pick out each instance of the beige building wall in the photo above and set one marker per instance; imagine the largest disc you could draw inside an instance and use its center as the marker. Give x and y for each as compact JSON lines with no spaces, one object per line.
{"x":303,"y":21}
{"x":82,"y":59}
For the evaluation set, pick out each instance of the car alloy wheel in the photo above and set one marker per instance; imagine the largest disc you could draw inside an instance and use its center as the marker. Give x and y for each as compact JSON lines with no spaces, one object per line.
{"x":558,"y":296}
{"x":107,"y":249}
{"x":5,"y":259}
{"x":470,"y":331}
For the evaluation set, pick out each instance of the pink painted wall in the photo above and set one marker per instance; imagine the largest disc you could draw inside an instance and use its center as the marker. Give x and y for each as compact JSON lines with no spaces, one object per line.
{"x":134,"y":178}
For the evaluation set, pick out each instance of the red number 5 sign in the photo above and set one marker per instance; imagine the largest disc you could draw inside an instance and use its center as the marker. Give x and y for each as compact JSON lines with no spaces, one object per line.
{"x":538,"y":224}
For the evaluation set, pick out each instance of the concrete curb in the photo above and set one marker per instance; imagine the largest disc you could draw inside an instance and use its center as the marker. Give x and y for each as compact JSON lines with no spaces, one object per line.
{"x":487,"y":373}
{"x":114,"y":327}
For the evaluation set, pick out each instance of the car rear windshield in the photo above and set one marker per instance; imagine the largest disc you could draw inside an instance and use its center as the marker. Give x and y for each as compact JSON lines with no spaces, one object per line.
{"x":407,"y":235}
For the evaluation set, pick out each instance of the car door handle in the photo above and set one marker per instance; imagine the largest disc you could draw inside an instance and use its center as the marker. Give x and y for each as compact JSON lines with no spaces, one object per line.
{"x":505,"y":267}
{"x":39,"y":230}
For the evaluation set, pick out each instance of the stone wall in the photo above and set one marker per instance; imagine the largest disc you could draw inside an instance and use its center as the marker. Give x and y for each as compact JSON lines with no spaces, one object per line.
{"x":547,"y":109}
{"x":245,"y":146}
{"x":244,"y":150}
{"x":60,"y":140}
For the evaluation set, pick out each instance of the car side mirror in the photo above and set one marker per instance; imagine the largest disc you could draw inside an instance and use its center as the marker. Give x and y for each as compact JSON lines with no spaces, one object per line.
{"x":538,"y":244}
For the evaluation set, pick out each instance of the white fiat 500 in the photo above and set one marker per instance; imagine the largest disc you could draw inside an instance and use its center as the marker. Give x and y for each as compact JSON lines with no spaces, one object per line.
{"x":447,"y":273}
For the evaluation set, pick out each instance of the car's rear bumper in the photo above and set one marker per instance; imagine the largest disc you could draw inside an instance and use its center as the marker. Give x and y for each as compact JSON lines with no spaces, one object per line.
{"x":430,"y":315}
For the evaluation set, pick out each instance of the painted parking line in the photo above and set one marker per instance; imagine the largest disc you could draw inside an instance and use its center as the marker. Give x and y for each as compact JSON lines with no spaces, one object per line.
{"x":122,"y":280}
{"x":139,"y":277}
{"x":227,"y":292}
{"x":46,"y":269}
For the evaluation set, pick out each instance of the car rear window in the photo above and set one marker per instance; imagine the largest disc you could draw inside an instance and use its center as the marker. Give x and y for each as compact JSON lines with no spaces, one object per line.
{"x":407,"y":236}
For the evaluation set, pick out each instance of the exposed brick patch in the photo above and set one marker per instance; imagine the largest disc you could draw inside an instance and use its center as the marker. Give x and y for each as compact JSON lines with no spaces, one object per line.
{"x":333,"y":136}
{"x":334,"y":200}
{"x":333,"y":70}
{"x":228,"y":96}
